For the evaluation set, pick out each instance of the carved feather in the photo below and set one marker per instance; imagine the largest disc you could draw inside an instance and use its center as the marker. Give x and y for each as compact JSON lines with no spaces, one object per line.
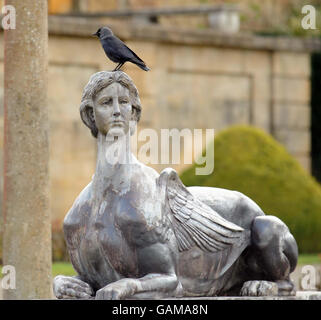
{"x":195,"y":223}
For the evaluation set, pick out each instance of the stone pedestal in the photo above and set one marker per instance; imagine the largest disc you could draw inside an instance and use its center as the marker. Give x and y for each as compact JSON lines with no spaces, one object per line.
{"x":300,"y":295}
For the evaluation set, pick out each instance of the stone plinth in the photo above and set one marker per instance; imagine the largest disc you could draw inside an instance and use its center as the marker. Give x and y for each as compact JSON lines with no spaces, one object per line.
{"x":300,"y":295}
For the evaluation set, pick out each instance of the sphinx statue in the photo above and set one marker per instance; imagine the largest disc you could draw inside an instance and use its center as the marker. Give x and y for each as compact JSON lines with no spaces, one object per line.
{"x":135,"y":233}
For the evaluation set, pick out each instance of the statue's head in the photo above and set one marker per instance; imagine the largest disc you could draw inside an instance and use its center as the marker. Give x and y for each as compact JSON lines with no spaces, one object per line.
{"x":110,"y":103}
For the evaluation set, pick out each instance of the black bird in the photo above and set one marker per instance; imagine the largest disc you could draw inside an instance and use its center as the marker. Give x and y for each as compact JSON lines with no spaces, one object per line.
{"x":116,"y":50}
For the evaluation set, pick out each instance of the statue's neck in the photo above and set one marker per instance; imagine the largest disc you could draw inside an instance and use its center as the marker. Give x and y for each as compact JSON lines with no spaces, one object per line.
{"x":114,"y":165}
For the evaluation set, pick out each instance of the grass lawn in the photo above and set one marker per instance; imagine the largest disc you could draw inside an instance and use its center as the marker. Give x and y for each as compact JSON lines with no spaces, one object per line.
{"x":64,"y":268}
{"x":309,"y":259}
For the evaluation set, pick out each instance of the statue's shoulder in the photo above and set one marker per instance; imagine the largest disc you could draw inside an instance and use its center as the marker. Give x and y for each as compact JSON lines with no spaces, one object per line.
{"x":145,"y":173}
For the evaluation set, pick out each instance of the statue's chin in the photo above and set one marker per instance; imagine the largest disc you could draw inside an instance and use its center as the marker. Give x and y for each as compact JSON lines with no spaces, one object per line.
{"x":115,"y":133}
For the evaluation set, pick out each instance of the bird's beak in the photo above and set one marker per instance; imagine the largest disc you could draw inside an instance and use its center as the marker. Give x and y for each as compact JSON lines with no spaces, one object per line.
{"x":94,"y":35}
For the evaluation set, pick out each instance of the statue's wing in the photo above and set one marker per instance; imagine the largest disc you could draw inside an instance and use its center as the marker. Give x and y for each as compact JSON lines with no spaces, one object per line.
{"x":194,"y":222}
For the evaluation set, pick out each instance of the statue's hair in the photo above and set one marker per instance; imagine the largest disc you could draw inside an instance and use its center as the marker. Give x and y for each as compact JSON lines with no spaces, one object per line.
{"x":98,"y":82}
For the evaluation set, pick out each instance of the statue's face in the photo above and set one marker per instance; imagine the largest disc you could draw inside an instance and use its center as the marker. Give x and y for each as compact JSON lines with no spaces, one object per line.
{"x":113,"y":110}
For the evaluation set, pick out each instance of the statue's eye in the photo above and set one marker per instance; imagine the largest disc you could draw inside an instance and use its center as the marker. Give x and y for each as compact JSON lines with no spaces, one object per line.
{"x":108,"y":102}
{"x":123,"y":101}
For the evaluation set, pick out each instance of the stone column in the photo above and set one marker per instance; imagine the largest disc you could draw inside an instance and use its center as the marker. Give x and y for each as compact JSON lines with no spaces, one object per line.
{"x":27,"y":230}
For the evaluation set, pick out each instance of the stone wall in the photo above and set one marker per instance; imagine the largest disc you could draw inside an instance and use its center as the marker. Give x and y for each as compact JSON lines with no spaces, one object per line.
{"x":198,"y":79}
{"x":291,"y":103}
{"x":256,"y":15}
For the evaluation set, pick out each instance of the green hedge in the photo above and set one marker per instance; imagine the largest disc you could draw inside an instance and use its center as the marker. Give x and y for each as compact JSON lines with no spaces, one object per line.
{"x":248,"y":160}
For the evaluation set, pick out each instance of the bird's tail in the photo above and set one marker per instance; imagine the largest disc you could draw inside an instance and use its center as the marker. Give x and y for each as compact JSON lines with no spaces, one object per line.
{"x":143,"y":66}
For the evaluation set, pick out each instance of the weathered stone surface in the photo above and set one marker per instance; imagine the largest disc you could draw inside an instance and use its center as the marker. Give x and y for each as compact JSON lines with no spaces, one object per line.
{"x":64,"y":87}
{"x":27,"y":234}
{"x":224,"y":100}
{"x":70,"y":51}
{"x":258,"y":65}
{"x":1,"y":143}
{"x":309,"y":295}
{"x":146,"y":82}
{"x":300,"y":295}
{"x":291,"y":116}
{"x":291,"y":64}
{"x":257,"y":62}
{"x":261,"y":114}
{"x":205,"y":59}
{"x":295,"y":90}
{"x":151,"y":112}
{"x":1,"y":51}
{"x":296,"y":141}
{"x":81,"y":27}
{"x":70,"y":156}
{"x":261,"y":87}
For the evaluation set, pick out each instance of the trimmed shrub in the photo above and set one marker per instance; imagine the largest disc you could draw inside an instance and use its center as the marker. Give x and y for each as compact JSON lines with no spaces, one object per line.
{"x":248,"y":160}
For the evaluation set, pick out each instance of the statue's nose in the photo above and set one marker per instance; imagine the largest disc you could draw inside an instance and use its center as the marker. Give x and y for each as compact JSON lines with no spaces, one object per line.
{"x":116,"y":109}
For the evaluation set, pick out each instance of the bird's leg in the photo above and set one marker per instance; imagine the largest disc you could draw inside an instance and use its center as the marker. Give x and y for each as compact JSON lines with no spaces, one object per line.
{"x":117,"y":67}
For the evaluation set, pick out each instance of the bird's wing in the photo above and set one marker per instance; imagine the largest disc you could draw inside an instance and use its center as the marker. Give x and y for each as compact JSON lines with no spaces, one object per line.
{"x":196,"y":223}
{"x":135,"y":55}
{"x":121,"y":50}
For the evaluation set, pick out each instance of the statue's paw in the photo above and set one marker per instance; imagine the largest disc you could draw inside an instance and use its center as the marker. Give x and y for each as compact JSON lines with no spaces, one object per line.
{"x":71,"y":288}
{"x":120,"y":289}
{"x":109,"y":293}
{"x":286,"y":288}
{"x":259,"y":288}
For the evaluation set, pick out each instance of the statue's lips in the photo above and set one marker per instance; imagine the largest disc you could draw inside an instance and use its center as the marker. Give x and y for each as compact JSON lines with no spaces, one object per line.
{"x":117,"y":123}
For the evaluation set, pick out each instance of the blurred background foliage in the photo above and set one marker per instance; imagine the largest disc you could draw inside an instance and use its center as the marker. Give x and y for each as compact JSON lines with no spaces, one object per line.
{"x":249,"y":160}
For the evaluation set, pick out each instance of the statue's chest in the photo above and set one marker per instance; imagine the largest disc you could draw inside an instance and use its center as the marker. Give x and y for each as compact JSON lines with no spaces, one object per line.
{"x":120,"y":219}
{"x":115,"y":232}
{"x":107,"y":237}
